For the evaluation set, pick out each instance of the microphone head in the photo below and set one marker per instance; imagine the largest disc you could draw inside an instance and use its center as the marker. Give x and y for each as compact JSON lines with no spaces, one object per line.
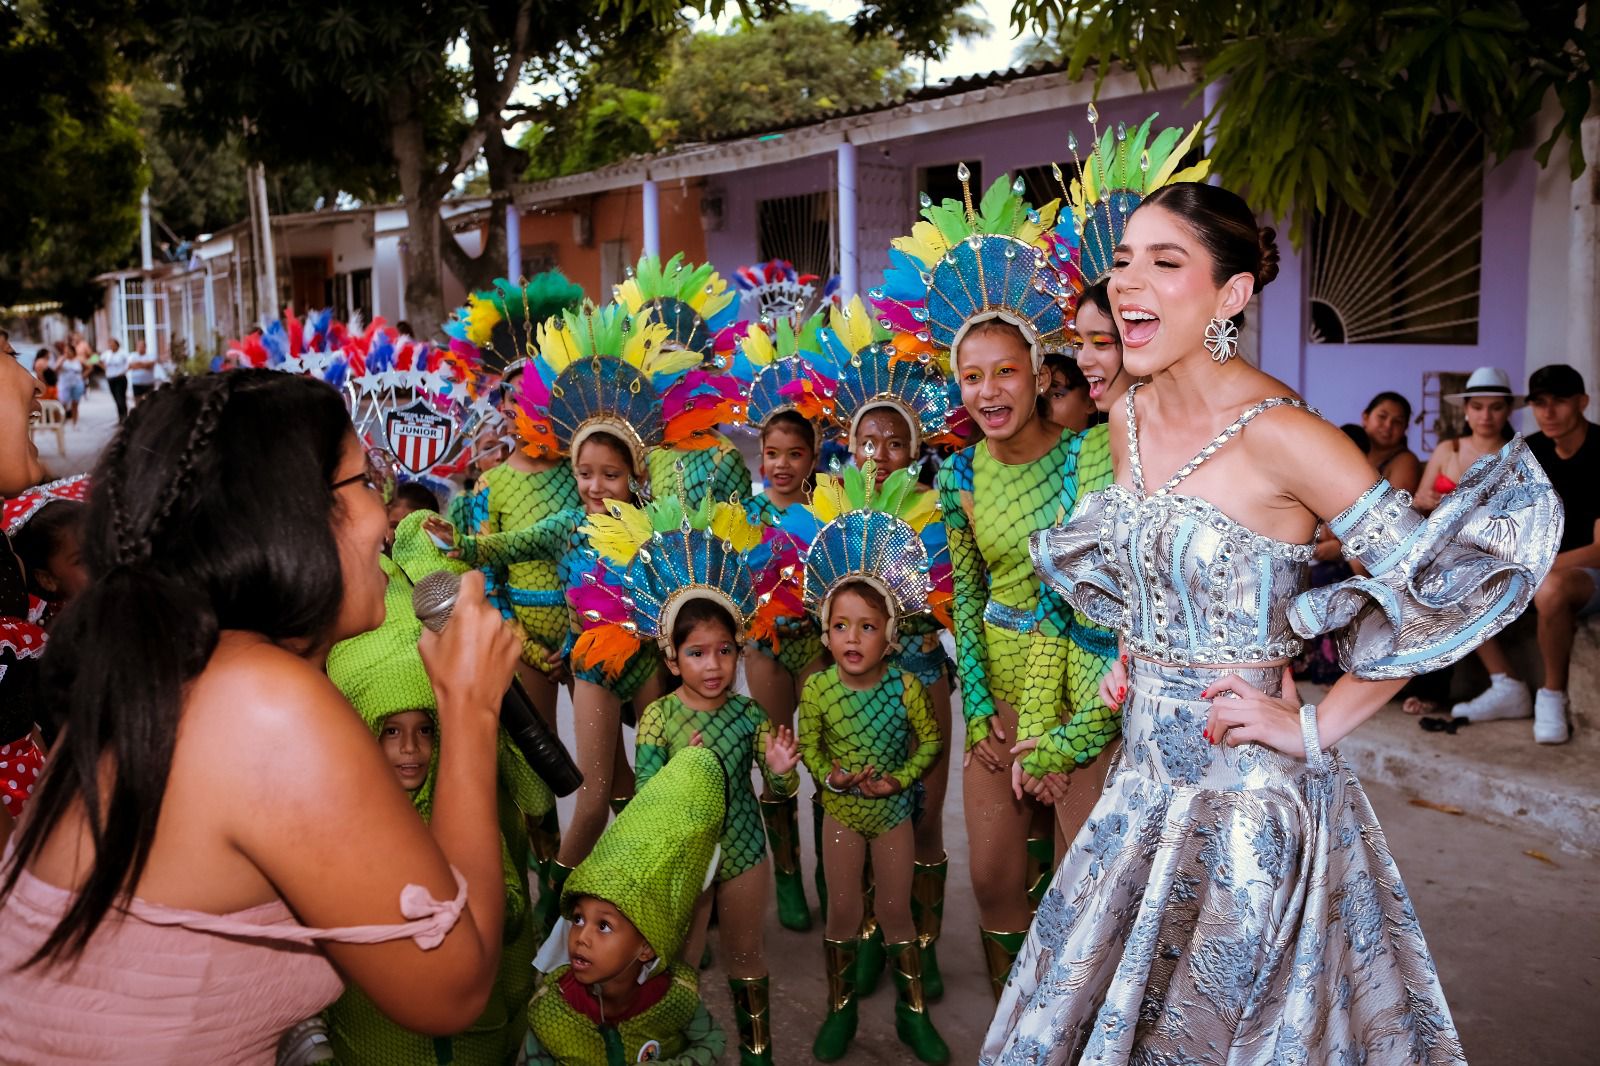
{"x":434,"y":597}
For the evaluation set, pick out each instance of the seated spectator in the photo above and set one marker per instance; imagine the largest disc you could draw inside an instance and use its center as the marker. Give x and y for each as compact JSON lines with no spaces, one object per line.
{"x":1568,"y":448}
{"x":48,"y":379}
{"x":1385,"y":421}
{"x":1488,"y":402}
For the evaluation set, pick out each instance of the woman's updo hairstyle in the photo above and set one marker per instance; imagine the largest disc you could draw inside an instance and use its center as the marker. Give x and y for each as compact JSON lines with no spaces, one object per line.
{"x":1224,"y":224}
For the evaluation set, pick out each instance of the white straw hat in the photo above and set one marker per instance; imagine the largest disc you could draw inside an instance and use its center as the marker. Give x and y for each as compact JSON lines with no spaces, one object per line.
{"x":1487,"y":381}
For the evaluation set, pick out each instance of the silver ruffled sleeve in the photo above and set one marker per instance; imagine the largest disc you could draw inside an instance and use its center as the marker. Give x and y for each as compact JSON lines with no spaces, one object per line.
{"x":1076,"y":561}
{"x":1437,"y":587}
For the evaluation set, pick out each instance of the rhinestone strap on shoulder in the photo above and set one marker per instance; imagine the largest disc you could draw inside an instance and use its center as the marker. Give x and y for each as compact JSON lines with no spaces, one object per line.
{"x":1205,"y":453}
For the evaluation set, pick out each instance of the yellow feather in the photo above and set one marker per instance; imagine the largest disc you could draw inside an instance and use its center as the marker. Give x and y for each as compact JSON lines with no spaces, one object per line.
{"x":1197,"y":172}
{"x":659,"y":362}
{"x":1031,"y":231}
{"x":758,"y":346}
{"x":556,"y":344}
{"x":926,"y":244}
{"x":829,"y":500}
{"x":729,"y":523}
{"x":709,"y":303}
{"x":628,"y":295}
{"x":920,"y":513}
{"x":618,"y":539}
{"x":1163,"y":176}
{"x":852,"y":323}
{"x":482,"y":317}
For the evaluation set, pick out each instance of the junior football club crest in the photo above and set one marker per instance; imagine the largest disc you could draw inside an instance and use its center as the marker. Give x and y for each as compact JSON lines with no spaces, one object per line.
{"x":418,"y":436}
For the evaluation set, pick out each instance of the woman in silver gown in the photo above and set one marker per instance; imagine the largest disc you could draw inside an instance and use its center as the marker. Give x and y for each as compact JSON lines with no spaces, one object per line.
{"x":1232,"y":899}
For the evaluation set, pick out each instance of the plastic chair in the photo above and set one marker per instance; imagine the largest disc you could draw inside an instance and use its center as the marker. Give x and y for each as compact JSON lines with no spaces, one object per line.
{"x":52,"y":417}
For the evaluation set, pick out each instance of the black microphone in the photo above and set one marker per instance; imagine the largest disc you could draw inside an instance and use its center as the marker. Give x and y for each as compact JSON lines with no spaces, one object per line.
{"x":433,"y":599}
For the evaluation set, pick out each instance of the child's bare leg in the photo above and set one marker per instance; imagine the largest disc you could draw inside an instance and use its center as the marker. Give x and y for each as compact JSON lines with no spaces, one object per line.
{"x":694,"y":945}
{"x":929,"y":830}
{"x":597,"y":721}
{"x":741,"y":915}
{"x":843,"y":855}
{"x":893,"y":855}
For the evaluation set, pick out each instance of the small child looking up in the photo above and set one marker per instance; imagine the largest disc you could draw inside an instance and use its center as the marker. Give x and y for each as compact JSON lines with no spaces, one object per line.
{"x":407,"y":741}
{"x":611,"y":993}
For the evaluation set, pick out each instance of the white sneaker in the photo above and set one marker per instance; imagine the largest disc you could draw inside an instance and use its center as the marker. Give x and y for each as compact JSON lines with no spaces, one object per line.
{"x":1506,"y":697}
{"x":1550,"y":717}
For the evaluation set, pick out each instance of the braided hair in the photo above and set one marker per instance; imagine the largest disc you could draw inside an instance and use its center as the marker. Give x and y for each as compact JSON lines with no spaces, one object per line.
{"x":211,"y":510}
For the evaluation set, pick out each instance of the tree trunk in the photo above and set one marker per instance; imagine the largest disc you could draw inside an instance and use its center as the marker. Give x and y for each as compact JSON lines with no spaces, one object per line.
{"x":424,"y":294}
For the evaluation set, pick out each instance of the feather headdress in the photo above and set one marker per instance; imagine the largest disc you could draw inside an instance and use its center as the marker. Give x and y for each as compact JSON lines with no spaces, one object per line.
{"x":965,"y":264}
{"x":888,"y":537}
{"x":872,"y":375}
{"x":654,"y":560}
{"x":777,"y":363}
{"x":1121,"y":170}
{"x":692,"y":301}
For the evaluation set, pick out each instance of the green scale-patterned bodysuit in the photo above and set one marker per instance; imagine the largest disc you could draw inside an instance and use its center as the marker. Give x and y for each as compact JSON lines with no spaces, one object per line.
{"x":1012,"y":642}
{"x":857,"y":729}
{"x":513,"y":500}
{"x":557,"y":542}
{"x":1091,"y":650}
{"x":673,"y":1031}
{"x":738,"y":733}
{"x":721,"y":468}
{"x":799,"y":639}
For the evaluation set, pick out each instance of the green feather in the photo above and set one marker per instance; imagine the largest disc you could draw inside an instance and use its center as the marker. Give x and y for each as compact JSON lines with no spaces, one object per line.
{"x":1132,"y":148}
{"x":1160,"y":149}
{"x":950,"y":218}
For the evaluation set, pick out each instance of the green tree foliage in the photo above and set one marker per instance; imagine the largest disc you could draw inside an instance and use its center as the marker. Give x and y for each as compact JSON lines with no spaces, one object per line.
{"x":777,"y":72}
{"x":70,"y":145}
{"x":1319,"y":98}
{"x":924,"y":29}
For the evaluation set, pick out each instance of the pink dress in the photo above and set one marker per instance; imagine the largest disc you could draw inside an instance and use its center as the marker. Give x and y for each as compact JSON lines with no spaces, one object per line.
{"x":160,"y":985}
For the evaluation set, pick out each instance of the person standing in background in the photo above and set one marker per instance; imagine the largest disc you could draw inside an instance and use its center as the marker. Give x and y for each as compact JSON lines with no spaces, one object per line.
{"x":115,"y":362}
{"x":141,"y":372}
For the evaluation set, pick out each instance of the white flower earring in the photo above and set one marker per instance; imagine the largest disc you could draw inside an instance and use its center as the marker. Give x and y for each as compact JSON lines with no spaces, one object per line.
{"x":1222,"y":339}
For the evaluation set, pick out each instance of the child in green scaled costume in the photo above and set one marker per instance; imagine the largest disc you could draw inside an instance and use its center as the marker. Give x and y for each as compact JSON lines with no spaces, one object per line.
{"x":867,"y":734}
{"x":595,"y":393}
{"x":693,"y":303}
{"x":887,"y":407}
{"x":1011,"y":651}
{"x":612,"y":995}
{"x":382,"y":675}
{"x":683,"y":576}
{"x":786,"y":402}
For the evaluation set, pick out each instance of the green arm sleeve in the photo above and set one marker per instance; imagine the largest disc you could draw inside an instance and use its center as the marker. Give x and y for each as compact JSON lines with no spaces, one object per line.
{"x":810,"y":730}
{"x":1044,"y":688}
{"x":1091,"y":726}
{"x":706,"y":1041}
{"x":920,"y":712}
{"x":534,"y":1054}
{"x":780,"y":784}
{"x":971,"y":592}
{"x":545,"y":541}
{"x":650,"y":751}
{"x":731,"y":477}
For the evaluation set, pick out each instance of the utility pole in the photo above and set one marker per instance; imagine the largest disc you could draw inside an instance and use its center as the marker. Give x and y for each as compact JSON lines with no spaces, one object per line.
{"x":147,"y":263}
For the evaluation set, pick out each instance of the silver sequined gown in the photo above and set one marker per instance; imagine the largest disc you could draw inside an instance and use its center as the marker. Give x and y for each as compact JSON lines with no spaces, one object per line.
{"x":1232,"y":905}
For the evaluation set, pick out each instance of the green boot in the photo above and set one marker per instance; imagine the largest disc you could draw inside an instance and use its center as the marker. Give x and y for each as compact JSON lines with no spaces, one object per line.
{"x":870,"y":960}
{"x":1041,"y":866}
{"x":911,"y":1022}
{"x":927,"y":909}
{"x":750,"y":1015}
{"x":782,"y":817}
{"x":819,"y":875}
{"x":999,"y":952}
{"x":839,"y":1027}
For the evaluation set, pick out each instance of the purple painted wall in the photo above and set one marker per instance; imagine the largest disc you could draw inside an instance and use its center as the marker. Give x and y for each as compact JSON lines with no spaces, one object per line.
{"x":1337,"y":378}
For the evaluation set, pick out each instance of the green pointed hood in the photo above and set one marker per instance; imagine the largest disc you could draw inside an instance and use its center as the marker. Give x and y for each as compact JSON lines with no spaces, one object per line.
{"x":651,"y":863}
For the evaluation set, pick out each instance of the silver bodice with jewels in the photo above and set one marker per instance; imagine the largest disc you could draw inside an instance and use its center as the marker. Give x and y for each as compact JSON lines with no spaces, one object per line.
{"x":1186,"y":585}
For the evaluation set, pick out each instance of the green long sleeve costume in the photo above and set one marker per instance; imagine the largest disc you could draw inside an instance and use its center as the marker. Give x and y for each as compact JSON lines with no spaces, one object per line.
{"x":738,"y":733}
{"x":720,"y":468}
{"x":1014,"y":643}
{"x":1092,"y":649}
{"x":558,"y":542}
{"x":515,"y":499}
{"x":857,"y":729}
{"x":677,"y":1030}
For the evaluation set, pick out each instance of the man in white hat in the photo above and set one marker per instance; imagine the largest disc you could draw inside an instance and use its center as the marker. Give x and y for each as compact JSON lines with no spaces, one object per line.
{"x":1568,"y":447}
